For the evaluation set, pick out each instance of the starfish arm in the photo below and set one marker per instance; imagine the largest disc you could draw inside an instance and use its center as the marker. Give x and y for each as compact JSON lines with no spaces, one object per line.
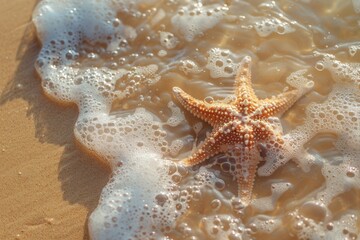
{"x":276,"y":105}
{"x":221,"y":139}
{"x":214,"y":113}
{"x":246,"y":173}
{"x":244,"y":92}
{"x":265,"y":130}
{"x":209,"y":148}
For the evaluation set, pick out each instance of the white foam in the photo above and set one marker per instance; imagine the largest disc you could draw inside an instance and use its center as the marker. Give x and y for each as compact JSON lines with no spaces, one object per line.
{"x":189,"y":66}
{"x":340,"y":71}
{"x":344,"y":228}
{"x":168,"y":40}
{"x":339,"y":114}
{"x":176,"y":115}
{"x":221,"y":63}
{"x":131,"y":198}
{"x":266,"y":26}
{"x":356,"y":4}
{"x":339,"y":179}
{"x":353,"y":49}
{"x":193,"y":20}
{"x":293,"y":140}
{"x":225,"y":227}
{"x":264,"y":224}
{"x":131,"y":142}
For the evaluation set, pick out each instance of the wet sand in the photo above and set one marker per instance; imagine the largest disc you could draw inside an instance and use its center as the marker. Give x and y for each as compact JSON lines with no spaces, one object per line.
{"x":48,"y":186}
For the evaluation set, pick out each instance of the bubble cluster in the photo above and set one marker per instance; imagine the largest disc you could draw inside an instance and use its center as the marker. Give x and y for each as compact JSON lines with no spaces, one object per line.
{"x":300,"y":81}
{"x":341,"y":72}
{"x":221,"y":64}
{"x":206,"y":178}
{"x":356,"y":5}
{"x":266,"y":26}
{"x":293,"y":140}
{"x":193,"y":20}
{"x":339,"y":179}
{"x":353,"y":49}
{"x":136,"y":80}
{"x":225,"y":227}
{"x":168,"y":40}
{"x":340,"y":114}
{"x":307,"y":228}
{"x":188,"y":66}
{"x":264,"y":224}
{"x":176,"y":115}
{"x":60,"y":26}
{"x":145,"y":203}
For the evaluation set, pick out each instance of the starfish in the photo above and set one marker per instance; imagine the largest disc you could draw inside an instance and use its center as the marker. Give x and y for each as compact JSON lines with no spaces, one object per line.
{"x":241,"y":127}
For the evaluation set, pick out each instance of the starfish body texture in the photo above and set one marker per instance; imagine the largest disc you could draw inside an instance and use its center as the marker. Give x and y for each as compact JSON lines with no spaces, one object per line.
{"x":241,"y":126}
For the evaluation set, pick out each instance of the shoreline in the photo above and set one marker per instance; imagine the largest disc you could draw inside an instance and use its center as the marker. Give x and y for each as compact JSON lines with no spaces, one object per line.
{"x":48,"y":185}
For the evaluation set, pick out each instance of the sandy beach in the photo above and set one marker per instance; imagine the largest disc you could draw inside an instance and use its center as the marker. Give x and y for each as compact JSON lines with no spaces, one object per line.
{"x":48,"y":186}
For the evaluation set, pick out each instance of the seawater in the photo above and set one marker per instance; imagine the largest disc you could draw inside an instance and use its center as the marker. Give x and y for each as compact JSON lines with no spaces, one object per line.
{"x":118,"y":62}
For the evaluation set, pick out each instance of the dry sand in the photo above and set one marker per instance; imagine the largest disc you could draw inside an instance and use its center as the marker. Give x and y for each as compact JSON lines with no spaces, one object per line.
{"x":48,"y":186}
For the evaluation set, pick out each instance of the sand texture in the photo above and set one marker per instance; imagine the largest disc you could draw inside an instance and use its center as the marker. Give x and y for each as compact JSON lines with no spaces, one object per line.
{"x":48,"y":186}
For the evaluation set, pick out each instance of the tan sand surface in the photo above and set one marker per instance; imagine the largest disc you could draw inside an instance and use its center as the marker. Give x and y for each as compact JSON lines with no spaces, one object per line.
{"x":48,"y":187}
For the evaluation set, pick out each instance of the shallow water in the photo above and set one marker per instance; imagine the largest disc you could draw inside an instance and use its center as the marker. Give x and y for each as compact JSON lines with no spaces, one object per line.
{"x":119,"y":60}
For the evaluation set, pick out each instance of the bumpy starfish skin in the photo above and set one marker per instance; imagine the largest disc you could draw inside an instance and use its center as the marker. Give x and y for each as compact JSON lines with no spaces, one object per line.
{"x":239,"y":127}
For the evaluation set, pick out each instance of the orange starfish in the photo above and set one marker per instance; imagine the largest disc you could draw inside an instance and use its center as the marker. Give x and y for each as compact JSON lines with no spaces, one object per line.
{"x":240,"y":127}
